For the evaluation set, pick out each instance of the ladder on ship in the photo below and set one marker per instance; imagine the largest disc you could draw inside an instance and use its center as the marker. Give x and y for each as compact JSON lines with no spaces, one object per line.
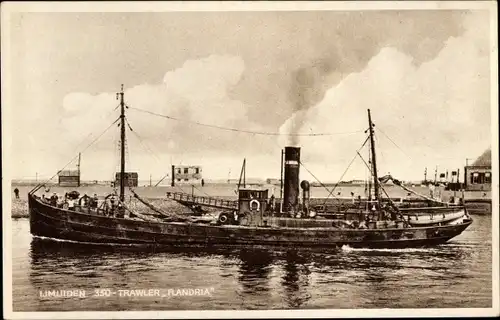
{"x":189,"y":200}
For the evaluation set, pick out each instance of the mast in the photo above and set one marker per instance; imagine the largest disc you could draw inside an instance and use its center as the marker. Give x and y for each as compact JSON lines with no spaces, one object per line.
{"x":374,"y":159}
{"x":79,"y":159}
{"x":122,"y":146}
{"x":242,"y":175}
{"x":370,"y":179}
{"x":425,"y":175}
{"x":281,"y":176}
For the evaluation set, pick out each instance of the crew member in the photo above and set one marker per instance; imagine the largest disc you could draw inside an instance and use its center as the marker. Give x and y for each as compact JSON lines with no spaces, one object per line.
{"x":85,"y":202}
{"x":272,"y":203}
{"x":71,"y":204}
{"x":94,"y":201}
{"x":53,"y":199}
{"x":120,"y":211}
{"x":112,"y":207}
{"x":16,"y":192}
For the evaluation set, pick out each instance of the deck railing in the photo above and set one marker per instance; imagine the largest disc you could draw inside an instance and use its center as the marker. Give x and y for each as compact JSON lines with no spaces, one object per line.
{"x":205,"y":201}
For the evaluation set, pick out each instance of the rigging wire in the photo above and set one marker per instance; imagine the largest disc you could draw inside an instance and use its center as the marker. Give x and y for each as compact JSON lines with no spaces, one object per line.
{"x":380,"y":148}
{"x":381,"y":187}
{"x":367,"y":177}
{"x":116,"y":157}
{"x":343,"y":174}
{"x":200,"y":190}
{"x":143,"y":144}
{"x":147,"y":148}
{"x":91,"y":133}
{"x":394,"y":143}
{"x":371,"y":188}
{"x":387,"y":195}
{"x":74,"y":158}
{"x":321,"y":183}
{"x":245,"y":131}
{"x":127,"y":158}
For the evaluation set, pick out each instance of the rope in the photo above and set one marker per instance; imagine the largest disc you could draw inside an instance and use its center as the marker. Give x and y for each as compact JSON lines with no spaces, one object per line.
{"x":67,"y":164}
{"x":245,"y":131}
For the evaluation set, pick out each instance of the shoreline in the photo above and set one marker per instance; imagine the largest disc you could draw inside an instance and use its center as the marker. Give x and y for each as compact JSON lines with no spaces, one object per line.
{"x":477,"y":202}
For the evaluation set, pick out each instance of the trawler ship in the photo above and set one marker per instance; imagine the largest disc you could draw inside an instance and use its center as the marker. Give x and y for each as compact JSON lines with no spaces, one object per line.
{"x":251,"y":220}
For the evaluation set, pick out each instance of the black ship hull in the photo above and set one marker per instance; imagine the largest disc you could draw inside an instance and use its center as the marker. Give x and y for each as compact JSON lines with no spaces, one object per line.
{"x":56,"y":223}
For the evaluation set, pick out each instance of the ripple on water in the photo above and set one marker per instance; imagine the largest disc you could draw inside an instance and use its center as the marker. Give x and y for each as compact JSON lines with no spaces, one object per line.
{"x":457,"y":274}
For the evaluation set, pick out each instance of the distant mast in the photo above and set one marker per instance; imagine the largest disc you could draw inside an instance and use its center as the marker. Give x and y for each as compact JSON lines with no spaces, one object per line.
{"x":243,"y":174}
{"x":79,"y":176}
{"x":122,"y":145}
{"x":374,"y":159}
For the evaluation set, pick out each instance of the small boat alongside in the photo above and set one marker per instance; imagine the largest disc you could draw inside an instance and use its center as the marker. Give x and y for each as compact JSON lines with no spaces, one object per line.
{"x":254,"y":219}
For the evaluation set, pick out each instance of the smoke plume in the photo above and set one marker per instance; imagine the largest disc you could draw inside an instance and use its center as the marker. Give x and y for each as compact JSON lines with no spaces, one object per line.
{"x":427,"y":110}
{"x":248,"y":70}
{"x":308,"y":88}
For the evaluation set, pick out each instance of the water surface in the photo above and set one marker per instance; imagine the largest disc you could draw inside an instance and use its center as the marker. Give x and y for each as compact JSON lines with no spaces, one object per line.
{"x":454,"y":275}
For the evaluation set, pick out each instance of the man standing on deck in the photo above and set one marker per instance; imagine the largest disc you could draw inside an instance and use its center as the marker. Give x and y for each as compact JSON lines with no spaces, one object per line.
{"x":53,"y":199}
{"x":272,"y":203}
{"x":112,"y":207}
{"x":431,"y":190}
{"x":94,"y":202}
{"x":16,"y":192}
{"x":71,"y":204}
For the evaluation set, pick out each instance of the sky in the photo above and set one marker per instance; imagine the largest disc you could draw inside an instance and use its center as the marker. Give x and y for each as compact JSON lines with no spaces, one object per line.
{"x":424,"y":74}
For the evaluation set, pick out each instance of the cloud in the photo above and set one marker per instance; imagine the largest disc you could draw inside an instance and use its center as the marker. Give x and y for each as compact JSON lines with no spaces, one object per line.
{"x":195,"y":92}
{"x":436,"y":112}
{"x":247,"y":71}
{"x":302,"y":55}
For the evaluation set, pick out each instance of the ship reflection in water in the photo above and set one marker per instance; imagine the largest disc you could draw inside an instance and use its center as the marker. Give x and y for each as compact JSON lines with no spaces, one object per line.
{"x":454,"y":275}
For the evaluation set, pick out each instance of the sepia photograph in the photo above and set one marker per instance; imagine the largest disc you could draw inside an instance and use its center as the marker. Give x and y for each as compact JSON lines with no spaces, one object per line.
{"x":250,"y":159}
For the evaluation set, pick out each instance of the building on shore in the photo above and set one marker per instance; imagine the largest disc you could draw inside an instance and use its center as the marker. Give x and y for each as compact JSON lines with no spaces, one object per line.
{"x":478,"y":174}
{"x":131,"y":179}
{"x":69,"y":178}
{"x":273,"y":181}
{"x":186,"y":174}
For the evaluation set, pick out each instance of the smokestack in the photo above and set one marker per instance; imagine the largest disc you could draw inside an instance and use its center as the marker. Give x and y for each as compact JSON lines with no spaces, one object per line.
{"x":173,"y":176}
{"x":291,"y":183}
